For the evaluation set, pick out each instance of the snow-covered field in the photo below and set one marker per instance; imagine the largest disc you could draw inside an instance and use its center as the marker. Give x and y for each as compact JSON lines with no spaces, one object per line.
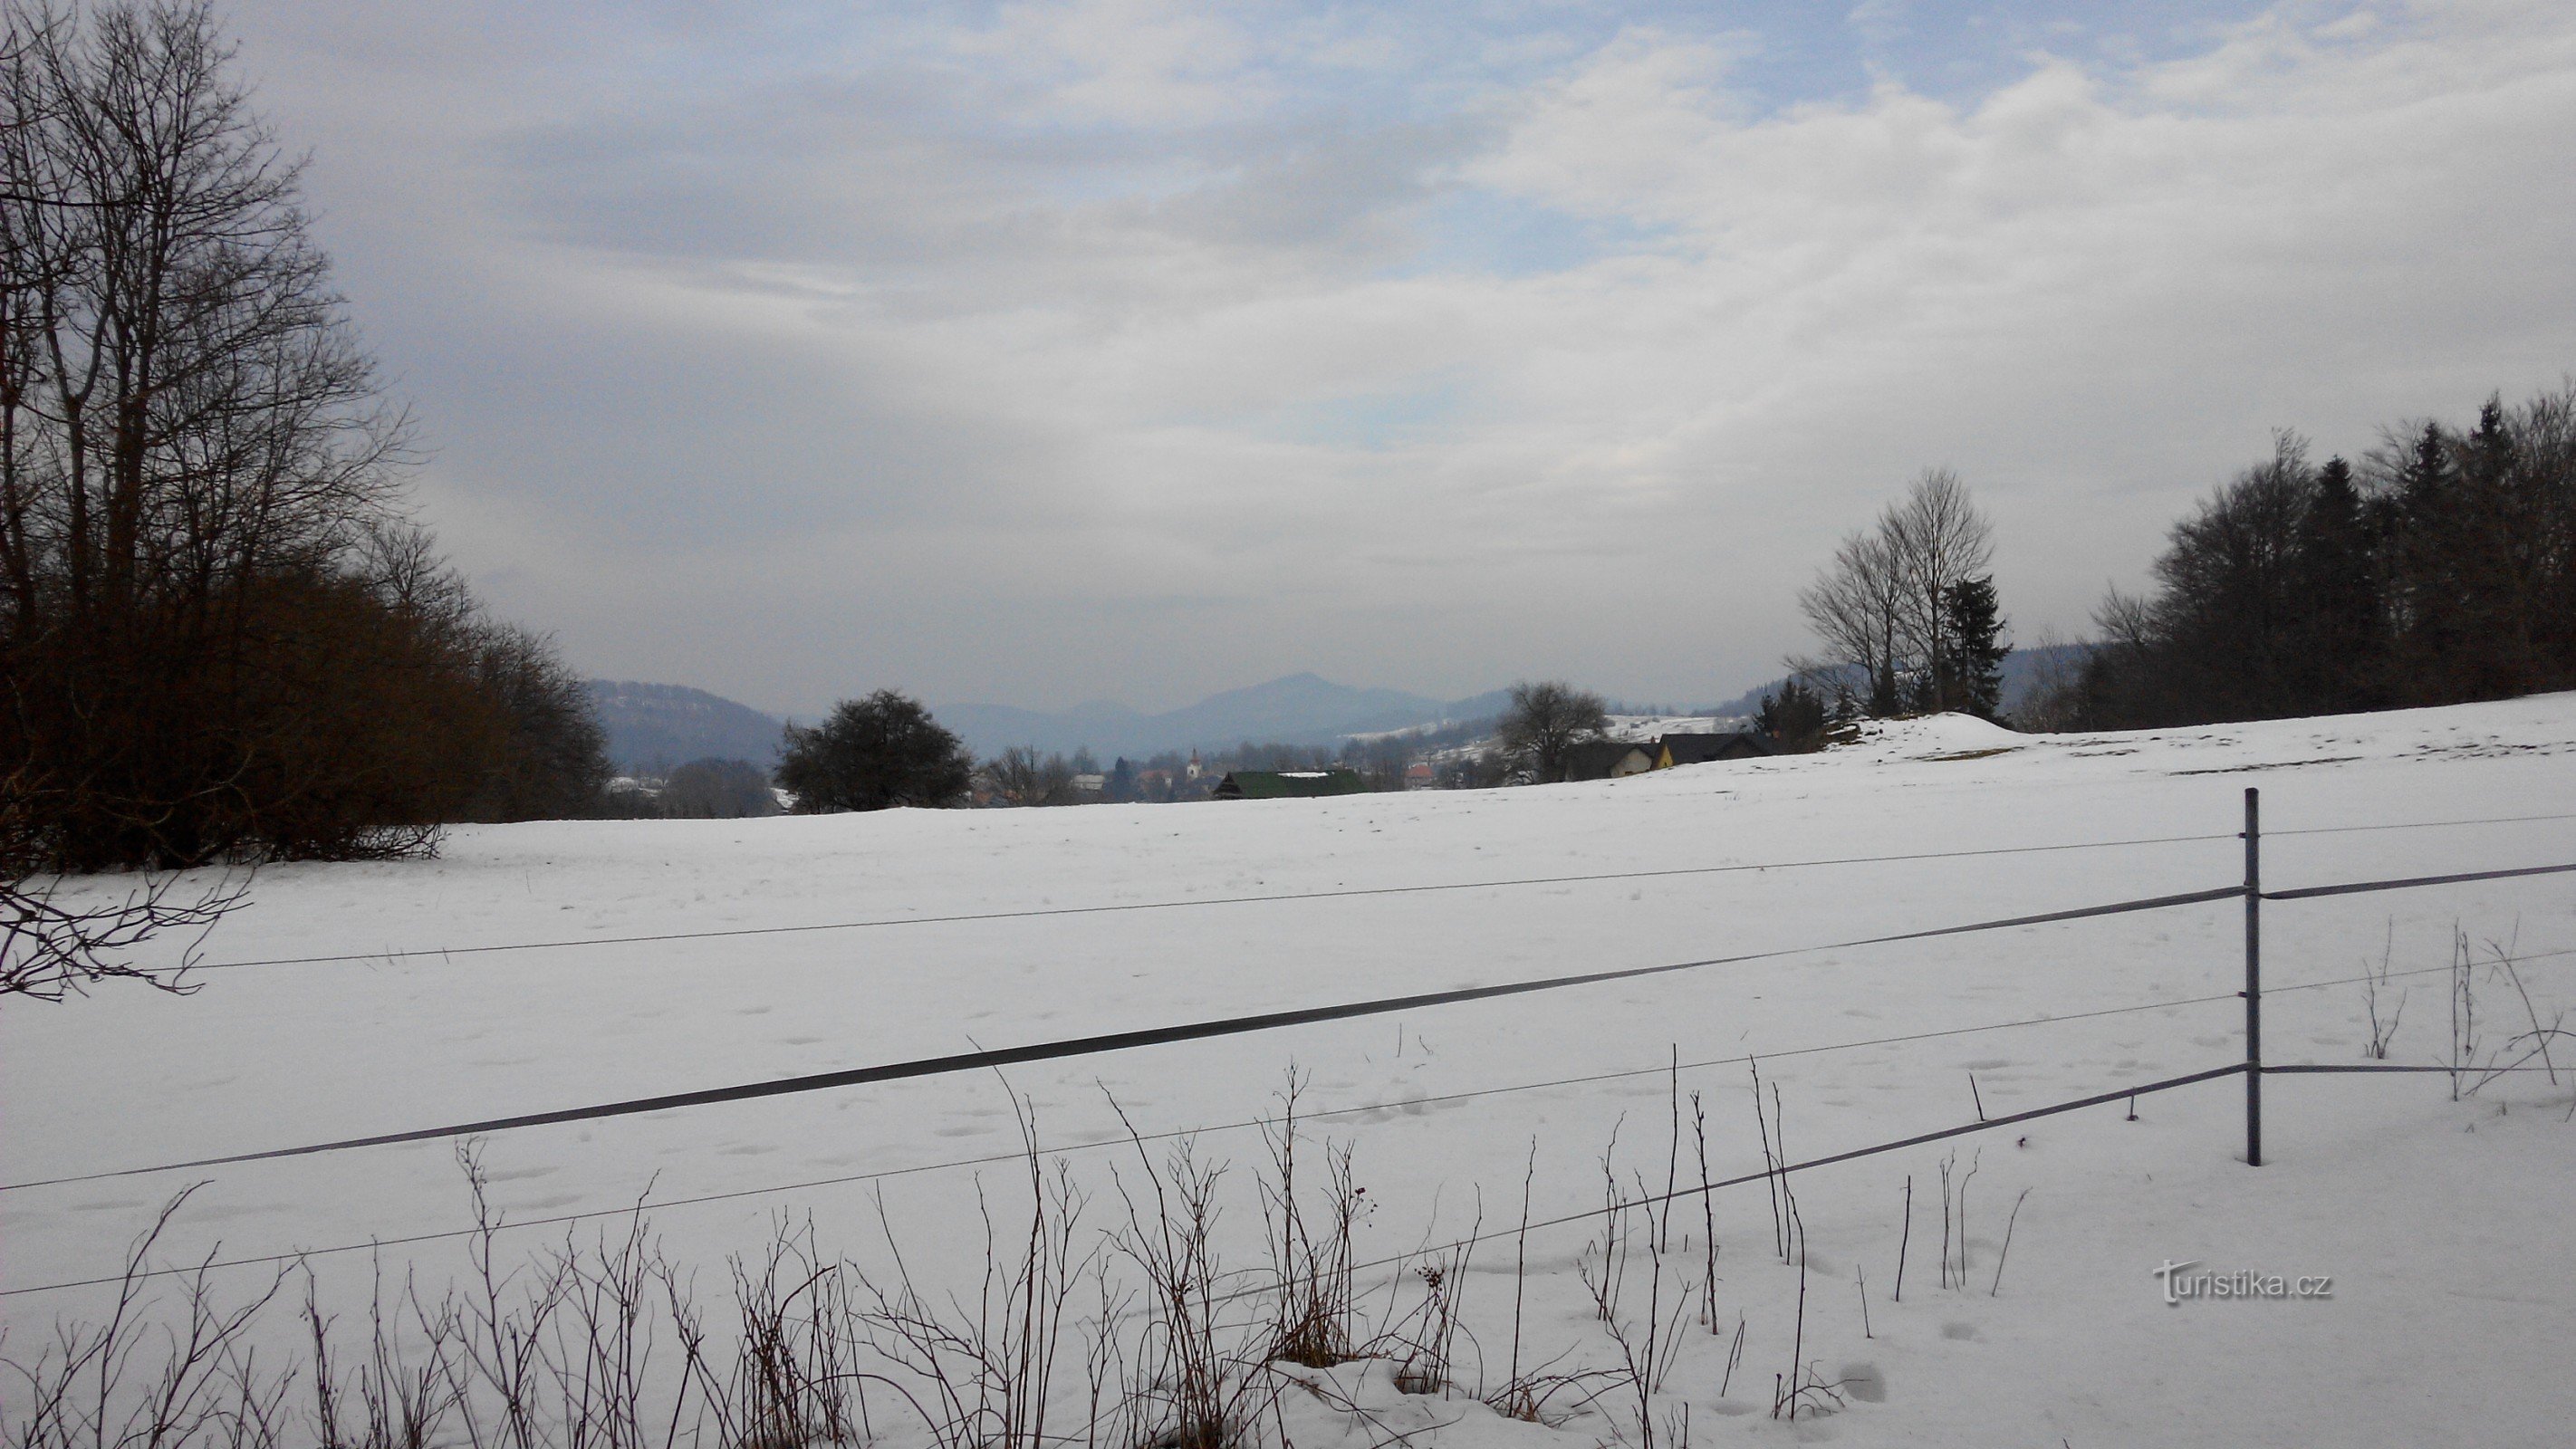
{"x":2444,"y":1226}
{"x":1643,"y":727}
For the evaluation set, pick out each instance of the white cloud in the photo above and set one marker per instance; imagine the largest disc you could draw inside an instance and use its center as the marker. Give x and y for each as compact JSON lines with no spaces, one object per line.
{"x":1128,"y":349}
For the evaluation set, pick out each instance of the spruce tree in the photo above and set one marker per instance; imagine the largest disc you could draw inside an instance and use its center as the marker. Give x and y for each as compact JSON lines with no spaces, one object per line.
{"x":2338,"y":635}
{"x":2427,"y":558}
{"x":1794,"y":717}
{"x":1974,"y":669}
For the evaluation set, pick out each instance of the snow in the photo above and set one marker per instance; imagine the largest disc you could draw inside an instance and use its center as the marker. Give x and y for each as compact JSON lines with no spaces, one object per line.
{"x":2443,"y":1224}
{"x":1643,"y":728}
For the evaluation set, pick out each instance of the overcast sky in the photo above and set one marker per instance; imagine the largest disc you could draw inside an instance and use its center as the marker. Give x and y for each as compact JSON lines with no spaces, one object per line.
{"x":1041,"y":353}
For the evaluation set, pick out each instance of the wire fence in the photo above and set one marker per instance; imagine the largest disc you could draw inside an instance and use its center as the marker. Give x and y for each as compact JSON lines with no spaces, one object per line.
{"x":1339,"y":893}
{"x":2251,"y":1069}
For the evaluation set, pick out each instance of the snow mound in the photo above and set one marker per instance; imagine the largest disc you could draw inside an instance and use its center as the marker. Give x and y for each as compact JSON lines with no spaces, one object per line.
{"x":1937,"y":736}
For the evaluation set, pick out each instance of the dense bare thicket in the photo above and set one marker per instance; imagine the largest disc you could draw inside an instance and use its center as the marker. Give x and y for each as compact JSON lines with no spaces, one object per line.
{"x":220,"y":639}
{"x":2441,"y":570}
{"x":717,"y":790}
{"x":1908,"y":608}
{"x":1544,"y":722}
{"x":1021,"y":776}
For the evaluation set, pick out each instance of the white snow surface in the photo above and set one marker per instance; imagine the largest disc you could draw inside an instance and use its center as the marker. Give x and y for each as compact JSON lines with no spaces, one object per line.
{"x":2444,"y":1225}
{"x":1643,"y":728}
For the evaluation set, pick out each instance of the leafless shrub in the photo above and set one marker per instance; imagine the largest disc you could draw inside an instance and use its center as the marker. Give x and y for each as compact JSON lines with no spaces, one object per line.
{"x":1708,"y":1216}
{"x":2539,"y":1037}
{"x":1424,"y":1341}
{"x":560,"y":1352}
{"x":1954,"y":1218}
{"x":2531,"y":1044}
{"x":1603,"y":1266}
{"x":2006,"y":1251}
{"x":149,"y":1377}
{"x":571,"y":1350}
{"x":403,"y":1396}
{"x":2464,"y":1012}
{"x":1904,"y":1237}
{"x":1530,"y":1393}
{"x":1801,"y":1389}
{"x":1192,"y":1387}
{"x":2374,"y":985}
{"x":1774,"y":1160}
{"x":1515,"y":1400}
{"x":1311,"y":1262}
{"x":1650,"y":1343}
{"x":982,"y":1373}
{"x":1734,"y":1358}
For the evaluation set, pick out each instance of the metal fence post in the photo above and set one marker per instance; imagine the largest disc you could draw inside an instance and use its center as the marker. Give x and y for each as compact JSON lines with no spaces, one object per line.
{"x":2253,"y":977}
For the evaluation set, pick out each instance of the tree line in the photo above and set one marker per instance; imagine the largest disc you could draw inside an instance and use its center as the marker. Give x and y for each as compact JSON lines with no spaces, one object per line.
{"x":2439,"y":569}
{"x":222,"y":637}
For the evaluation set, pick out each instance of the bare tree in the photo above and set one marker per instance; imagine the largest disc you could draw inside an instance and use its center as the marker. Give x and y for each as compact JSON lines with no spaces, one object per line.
{"x":1021,"y":776}
{"x":1938,"y":538}
{"x":1857,"y":606}
{"x":219,"y":640}
{"x":185,"y":404}
{"x":2054,"y":698}
{"x":1545,"y":721}
{"x":185,"y":420}
{"x":55,"y":943}
{"x":1880,"y":606}
{"x":50,"y":949}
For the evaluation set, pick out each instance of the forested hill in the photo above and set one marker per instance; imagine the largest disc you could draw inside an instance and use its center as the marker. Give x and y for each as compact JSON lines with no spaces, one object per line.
{"x":654,"y":726}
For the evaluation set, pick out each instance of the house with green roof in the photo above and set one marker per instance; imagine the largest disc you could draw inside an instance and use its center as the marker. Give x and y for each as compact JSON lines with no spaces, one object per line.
{"x":1288,"y":784}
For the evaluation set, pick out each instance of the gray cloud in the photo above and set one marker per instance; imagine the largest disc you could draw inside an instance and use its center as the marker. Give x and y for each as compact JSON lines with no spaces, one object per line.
{"x":1120,"y":349}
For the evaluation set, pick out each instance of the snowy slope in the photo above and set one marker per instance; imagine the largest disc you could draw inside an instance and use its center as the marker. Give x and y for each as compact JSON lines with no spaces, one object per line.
{"x":2443,"y":1223}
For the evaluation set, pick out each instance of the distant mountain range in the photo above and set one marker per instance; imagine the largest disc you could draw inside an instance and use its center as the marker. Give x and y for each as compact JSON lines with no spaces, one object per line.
{"x":652,"y":727}
{"x":1301,"y":709}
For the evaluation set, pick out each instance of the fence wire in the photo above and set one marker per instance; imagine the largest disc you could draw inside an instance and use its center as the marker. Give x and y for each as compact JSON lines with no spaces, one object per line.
{"x":1511,"y":883}
{"x":977,"y":1061}
{"x":1234,"y":1026}
{"x":1328,"y":1114}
